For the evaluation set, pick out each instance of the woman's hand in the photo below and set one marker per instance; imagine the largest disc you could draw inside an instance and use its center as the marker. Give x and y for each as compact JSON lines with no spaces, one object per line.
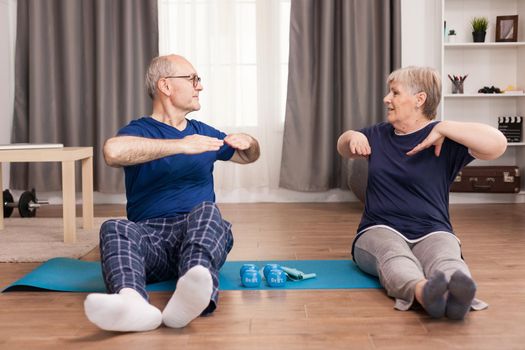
{"x":353,"y":144}
{"x":483,"y":141}
{"x":435,"y":138}
{"x":359,"y":145}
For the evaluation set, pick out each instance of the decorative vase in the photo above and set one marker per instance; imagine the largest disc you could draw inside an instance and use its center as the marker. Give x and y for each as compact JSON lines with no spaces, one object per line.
{"x":478,"y":37}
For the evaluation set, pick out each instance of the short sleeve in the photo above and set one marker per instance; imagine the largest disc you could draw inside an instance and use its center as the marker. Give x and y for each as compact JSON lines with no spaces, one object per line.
{"x":132,"y":129}
{"x":458,"y":156}
{"x":366,"y":131}
{"x":376,"y":130}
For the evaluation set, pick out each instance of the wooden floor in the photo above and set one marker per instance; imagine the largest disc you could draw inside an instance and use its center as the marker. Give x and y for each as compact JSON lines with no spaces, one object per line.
{"x":493,"y":237}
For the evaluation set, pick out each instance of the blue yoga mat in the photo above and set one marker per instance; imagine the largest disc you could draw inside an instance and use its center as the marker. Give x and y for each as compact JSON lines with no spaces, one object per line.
{"x":70,"y":275}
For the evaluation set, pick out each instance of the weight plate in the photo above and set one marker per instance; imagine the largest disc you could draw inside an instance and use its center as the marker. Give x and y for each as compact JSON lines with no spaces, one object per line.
{"x":23,"y":204}
{"x":7,"y":198}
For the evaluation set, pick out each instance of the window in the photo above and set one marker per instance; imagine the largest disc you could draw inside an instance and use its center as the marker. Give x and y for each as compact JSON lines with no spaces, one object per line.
{"x":240,"y":49}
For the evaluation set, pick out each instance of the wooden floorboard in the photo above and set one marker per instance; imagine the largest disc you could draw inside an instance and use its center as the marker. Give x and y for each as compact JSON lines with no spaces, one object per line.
{"x":493,"y":237}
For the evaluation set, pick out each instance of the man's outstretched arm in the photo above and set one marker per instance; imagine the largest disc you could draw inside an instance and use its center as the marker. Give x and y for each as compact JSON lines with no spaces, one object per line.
{"x":130,"y":150}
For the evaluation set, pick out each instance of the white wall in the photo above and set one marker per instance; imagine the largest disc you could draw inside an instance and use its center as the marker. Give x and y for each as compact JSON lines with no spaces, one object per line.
{"x":421,"y":33}
{"x":7,"y":72}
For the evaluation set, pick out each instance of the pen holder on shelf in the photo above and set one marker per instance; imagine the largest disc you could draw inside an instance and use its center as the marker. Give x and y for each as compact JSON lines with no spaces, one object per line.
{"x":457,"y":83}
{"x":457,"y":88}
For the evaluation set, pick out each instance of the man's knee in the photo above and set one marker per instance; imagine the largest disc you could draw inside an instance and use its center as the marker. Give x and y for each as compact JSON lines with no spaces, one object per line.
{"x":108,"y":227}
{"x":114,"y":228}
{"x":206,"y":210}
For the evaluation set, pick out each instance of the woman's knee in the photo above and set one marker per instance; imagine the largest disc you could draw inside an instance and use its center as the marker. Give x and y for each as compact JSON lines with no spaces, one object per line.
{"x":366,"y":261}
{"x":383,"y":244}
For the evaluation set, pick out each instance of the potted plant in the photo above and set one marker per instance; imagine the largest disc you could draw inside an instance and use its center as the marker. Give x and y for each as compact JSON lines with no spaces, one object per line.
{"x":452,"y":36}
{"x":479,"y":28}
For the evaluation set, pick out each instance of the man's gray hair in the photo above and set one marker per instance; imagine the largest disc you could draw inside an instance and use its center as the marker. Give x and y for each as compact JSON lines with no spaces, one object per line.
{"x":158,"y":68}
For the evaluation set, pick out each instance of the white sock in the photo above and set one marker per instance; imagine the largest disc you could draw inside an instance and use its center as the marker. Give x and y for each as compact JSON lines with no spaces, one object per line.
{"x":190,"y":298}
{"x":126,"y":311}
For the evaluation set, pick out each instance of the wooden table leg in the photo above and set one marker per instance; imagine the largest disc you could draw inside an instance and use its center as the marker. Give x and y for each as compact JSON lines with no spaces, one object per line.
{"x":68,"y":199}
{"x":87,"y":193}
{"x":1,"y":189}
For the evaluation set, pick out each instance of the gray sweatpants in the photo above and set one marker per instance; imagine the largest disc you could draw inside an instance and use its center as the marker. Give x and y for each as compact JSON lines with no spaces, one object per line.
{"x":400,"y":264}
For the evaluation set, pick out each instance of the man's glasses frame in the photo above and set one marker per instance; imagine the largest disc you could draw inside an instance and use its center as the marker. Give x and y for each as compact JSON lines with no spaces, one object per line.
{"x":195,"y":79}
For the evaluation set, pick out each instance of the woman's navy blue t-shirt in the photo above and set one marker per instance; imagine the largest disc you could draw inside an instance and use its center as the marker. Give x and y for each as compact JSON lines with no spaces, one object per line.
{"x":175,"y":184}
{"x":409,"y":193}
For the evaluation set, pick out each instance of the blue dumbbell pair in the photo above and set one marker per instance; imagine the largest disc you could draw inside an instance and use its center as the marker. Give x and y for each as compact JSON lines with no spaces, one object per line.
{"x":273,"y":273}
{"x":250,"y":276}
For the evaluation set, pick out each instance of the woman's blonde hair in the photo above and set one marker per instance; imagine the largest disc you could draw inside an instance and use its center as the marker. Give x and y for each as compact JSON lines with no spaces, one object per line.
{"x":420,"y":79}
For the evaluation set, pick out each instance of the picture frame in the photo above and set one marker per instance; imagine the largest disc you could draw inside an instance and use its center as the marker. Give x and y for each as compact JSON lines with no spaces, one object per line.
{"x":507,"y":28}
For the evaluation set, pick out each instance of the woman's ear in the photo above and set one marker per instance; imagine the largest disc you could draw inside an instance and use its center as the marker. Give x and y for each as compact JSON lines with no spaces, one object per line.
{"x":421,"y":98}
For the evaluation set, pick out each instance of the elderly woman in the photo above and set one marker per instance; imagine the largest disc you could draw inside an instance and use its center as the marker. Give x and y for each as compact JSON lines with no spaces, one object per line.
{"x":405,"y":236}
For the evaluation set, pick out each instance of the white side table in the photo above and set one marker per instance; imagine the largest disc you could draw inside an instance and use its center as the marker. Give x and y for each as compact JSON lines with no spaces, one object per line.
{"x":67,"y":156}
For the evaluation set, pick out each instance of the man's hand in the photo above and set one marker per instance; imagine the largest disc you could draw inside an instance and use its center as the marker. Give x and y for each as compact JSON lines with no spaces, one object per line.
{"x":196,"y":144}
{"x":240,"y":142}
{"x":435,"y":138}
{"x":246,"y":148}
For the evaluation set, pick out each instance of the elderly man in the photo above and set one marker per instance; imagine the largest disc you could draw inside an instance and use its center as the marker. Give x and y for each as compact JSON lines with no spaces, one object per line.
{"x":174,"y":228}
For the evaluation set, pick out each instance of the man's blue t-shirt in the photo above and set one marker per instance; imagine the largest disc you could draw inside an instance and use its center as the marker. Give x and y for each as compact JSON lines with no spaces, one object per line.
{"x":409,"y":193}
{"x":175,"y":184}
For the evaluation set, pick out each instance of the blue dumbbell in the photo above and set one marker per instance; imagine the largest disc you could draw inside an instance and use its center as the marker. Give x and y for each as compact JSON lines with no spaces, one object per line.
{"x":251,"y":278}
{"x":268,"y":267}
{"x":276,"y":278}
{"x":248,"y":267}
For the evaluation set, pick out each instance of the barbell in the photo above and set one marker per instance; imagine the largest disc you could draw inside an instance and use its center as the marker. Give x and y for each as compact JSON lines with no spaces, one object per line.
{"x":27,"y":204}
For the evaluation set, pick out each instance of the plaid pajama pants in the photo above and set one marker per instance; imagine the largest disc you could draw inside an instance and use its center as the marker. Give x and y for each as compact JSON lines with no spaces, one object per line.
{"x":154,"y":250}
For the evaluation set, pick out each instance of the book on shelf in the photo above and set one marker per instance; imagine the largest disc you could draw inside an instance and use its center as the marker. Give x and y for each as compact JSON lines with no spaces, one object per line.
{"x":17,"y":146}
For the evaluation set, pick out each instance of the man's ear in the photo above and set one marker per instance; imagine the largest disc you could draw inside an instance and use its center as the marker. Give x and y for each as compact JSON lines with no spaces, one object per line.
{"x":164,"y":87}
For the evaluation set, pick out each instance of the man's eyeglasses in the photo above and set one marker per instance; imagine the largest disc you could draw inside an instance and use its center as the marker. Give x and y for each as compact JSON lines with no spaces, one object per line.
{"x":195,"y":79}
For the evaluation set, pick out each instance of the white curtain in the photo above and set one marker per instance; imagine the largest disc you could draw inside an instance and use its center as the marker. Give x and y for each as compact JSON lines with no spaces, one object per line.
{"x":240,"y":49}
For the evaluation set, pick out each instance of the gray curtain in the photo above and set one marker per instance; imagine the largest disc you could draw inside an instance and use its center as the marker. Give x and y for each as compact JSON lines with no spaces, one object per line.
{"x":341,"y":52}
{"x":79,"y":76}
